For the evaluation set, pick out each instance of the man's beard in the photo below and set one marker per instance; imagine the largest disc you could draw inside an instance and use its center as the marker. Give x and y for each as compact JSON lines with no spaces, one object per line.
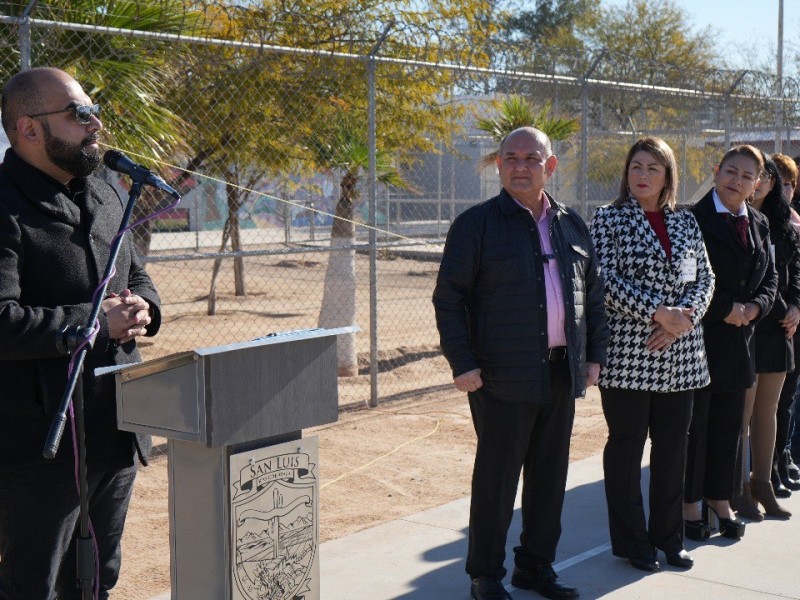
{"x":76,"y":159}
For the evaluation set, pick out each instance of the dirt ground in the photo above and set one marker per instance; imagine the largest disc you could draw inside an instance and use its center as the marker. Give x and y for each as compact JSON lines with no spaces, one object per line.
{"x":376,"y":465}
{"x":413,"y":452}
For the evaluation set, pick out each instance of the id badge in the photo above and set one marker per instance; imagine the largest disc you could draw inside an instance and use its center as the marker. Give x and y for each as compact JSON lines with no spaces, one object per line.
{"x":688,"y":269}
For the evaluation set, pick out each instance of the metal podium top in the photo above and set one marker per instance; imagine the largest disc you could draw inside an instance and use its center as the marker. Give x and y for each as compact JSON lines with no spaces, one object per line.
{"x":233,"y":393}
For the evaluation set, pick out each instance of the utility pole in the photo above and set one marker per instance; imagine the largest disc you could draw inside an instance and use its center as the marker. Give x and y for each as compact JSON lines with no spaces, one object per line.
{"x":779,"y":107}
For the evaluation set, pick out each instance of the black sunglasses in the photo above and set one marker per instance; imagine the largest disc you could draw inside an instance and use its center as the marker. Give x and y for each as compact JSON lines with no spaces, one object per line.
{"x":83,"y":112}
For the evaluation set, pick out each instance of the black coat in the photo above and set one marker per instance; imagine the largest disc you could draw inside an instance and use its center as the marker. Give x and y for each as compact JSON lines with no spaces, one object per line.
{"x":729,"y":348}
{"x":489,"y":284}
{"x":51,"y":260}
{"x":773,"y":350}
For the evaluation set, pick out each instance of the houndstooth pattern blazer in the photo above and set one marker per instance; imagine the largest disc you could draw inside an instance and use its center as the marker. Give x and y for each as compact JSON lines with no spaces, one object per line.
{"x":639,"y":278}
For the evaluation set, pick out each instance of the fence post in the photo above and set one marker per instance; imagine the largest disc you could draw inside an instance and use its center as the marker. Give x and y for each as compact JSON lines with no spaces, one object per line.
{"x":779,"y":81}
{"x":24,"y":44}
{"x":683,"y":168}
{"x":583,"y":176}
{"x":373,"y":246}
{"x":727,"y":99}
{"x":452,"y":215}
{"x":727,"y":107}
{"x":439,"y":191}
{"x":312,"y":222}
{"x":373,"y":222}
{"x":25,"y":36}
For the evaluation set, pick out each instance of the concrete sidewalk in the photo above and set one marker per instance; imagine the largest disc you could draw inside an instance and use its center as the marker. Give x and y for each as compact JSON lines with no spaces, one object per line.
{"x":421,"y":557}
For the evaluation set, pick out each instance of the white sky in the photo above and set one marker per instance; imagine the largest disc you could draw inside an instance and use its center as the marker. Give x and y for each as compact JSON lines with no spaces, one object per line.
{"x":746,"y":30}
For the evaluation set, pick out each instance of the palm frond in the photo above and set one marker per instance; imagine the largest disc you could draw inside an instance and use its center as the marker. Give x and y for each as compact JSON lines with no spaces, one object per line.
{"x":515,"y":112}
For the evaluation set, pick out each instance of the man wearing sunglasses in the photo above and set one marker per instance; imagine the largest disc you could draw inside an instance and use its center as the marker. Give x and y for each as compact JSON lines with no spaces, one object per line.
{"x":57,"y":224}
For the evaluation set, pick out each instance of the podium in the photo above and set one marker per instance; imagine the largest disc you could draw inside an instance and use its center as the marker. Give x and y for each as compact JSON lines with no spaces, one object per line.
{"x":243,"y":483}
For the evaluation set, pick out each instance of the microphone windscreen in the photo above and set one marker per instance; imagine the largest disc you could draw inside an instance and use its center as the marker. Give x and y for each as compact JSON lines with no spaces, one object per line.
{"x":111,"y":158}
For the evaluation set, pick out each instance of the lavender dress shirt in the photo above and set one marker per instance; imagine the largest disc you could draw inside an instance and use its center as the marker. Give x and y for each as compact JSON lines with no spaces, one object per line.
{"x":552,"y":278}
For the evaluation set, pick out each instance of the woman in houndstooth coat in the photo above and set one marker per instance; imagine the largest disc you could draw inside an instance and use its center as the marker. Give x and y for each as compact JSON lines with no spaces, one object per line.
{"x":658,"y":284}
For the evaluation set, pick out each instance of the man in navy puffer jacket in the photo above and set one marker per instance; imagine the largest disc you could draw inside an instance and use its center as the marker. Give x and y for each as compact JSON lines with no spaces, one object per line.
{"x":519,"y":308}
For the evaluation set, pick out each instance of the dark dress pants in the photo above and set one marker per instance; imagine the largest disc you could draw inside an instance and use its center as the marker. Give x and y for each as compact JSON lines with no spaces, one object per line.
{"x":514,"y":436}
{"x":785,"y":413}
{"x":714,"y":436}
{"x":794,"y":436}
{"x":630,"y":415}
{"x":39,"y":513}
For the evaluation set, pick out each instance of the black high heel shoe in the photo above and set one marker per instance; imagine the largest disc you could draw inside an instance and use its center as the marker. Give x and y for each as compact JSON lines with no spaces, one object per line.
{"x":730,"y":528}
{"x":696,"y":530}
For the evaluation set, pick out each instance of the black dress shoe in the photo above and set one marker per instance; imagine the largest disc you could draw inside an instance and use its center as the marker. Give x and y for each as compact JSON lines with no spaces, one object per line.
{"x":781,"y":491}
{"x":787,"y":471}
{"x":544,"y":580}
{"x":679,"y":558}
{"x":792,"y":470}
{"x":645,"y":563}
{"x":795,"y":454}
{"x":488,"y":588}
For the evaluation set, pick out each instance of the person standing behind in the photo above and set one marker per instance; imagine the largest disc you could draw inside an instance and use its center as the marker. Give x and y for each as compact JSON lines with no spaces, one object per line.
{"x":738,"y":247}
{"x":519,"y":309}
{"x":785,"y":476}
{"x":794,"y":390}
{"x":658,"y":285}
{"x":57,"y":223}
{"x":774,"y":354}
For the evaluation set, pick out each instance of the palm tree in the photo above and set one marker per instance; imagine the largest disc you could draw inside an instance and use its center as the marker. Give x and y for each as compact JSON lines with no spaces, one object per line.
{"x":515,"y":112}
{"x":129,"y":78}
{"x":347,"y":155}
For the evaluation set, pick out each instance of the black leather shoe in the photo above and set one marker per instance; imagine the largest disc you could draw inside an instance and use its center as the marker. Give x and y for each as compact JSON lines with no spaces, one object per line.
{"x":543,"y":580}
{"x":792,"y":470}
{"x":697,"y":530}
{"x":781,"y":491}
{"x":488,"y":588}
{"x":645,"y":563}
{"x":787,"y":471}
{"x":795,"y":454}
{"x":680,"y":559}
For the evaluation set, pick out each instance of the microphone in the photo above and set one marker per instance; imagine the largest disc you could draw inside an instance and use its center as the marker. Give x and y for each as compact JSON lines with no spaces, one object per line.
{"x":117,"y":161}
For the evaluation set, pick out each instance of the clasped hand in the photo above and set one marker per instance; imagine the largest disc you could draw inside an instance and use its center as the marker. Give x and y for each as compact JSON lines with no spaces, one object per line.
{"x":791,"y":320}
{"x":742,"y":314}
{"x":671,"y":323}
{"x":128,"y":315}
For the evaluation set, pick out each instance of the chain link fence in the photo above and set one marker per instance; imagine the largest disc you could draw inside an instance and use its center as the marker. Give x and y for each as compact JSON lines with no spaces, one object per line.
{"x":269,"y":144}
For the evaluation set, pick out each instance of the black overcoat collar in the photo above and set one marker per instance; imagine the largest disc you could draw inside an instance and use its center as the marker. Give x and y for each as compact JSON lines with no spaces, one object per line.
{"x":712,"y":224}
{"x":45,"y":193}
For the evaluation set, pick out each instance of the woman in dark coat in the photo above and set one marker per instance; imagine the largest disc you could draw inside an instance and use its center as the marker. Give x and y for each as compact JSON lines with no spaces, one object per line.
{"x":774,"y":352}
{"x":738,"y":246}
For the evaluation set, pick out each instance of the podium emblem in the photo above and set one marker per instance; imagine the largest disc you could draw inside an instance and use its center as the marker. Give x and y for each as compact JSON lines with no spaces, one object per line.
{"x":274,"y":522}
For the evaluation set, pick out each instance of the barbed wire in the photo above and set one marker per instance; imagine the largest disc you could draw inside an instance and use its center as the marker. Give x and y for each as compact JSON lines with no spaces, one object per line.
{"x":515,"y":56}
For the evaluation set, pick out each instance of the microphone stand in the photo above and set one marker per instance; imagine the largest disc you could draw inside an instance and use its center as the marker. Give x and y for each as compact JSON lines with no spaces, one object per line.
{"x":74,"y":339}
